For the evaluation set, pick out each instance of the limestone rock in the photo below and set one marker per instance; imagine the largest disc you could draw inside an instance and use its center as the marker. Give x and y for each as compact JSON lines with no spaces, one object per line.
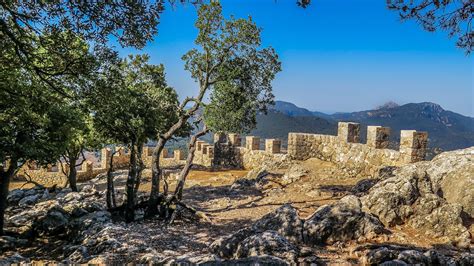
{"x":15,"y":259}
{"x":362,"y":187}
{"x":225,"y":247}
{"x":54,"y":222}
{"x":294,"y":173}
{"x":285,"y":221}
{"x":390,"y":200}
{"x":8,"y":242}
{"x":466,"y":259}
{"x":378,"y":256}
{"x":441,"y":219}
{"x":257,"y":260}
{"x":427,"y":196}
{"x":341,"y":221}
{"x":29,"y":200}
{"x":394,"y":263}
{"x":15,"y":196}
{"x":452,"y":176}
{"x":152,"y":258}
{"x":256,"y":178}
{"x":413,"y":257}
{"x":266,"y":243}
{"x":393,"y":255}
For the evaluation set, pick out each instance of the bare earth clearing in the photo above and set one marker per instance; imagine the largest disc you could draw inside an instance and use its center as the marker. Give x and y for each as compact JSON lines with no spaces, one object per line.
{"x":230,"y":210}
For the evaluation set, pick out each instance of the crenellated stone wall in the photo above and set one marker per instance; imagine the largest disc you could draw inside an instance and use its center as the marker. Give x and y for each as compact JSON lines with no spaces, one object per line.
{"x":355,"y":158}
{"x":228,"y":151}
{"x":53,"y":174}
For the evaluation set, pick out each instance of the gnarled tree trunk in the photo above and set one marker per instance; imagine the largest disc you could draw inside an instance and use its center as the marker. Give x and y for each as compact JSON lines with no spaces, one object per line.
{"x":178,"y":193}
{"x":155,"y":179}
{"x":155,"y":196}
{"x":141,"y":167}
{"x":72,"y":175}
{"x":110,"y":194}
{"x":5,"y":177}
{"x":132,"y":174}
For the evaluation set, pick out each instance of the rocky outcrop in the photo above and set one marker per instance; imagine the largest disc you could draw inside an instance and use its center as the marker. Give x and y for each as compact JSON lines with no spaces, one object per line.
{"x":78,"y":217}
{"x":341,"y":221}
{"x":452,"y":177}
{"x":285,"y":221}
{"x":427,"y":196}
{"x":267,"y":243}
{"x":260,"y":176}
{"x":278,"y":233}
{"x":294,"y":173}
{"x":393,"y":255}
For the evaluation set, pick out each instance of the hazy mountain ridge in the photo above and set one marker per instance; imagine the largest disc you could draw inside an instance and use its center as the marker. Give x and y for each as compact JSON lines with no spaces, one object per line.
{"x":276,"y":124}
{"x":447,"y":130}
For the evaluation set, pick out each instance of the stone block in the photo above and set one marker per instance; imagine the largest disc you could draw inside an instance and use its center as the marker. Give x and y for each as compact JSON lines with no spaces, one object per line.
{"x":105,"y":154}
{"x":235,"y":140}
{"x":210,"y":151}
{"x":49,"y":168}
{"x":272,"y":145}
{"x":252,"y":143}
{"x":87,"y":166}
{"x":219,"y":137}
{"x":164,"y":153}
{"x":199,"y":144}
{"x":413,"y":145}
{"x":378,"y":137}
{"x":204,"y":148}
{"x":348,"y":132}
{"x":178,"y":155}
{"x":147,"y":151}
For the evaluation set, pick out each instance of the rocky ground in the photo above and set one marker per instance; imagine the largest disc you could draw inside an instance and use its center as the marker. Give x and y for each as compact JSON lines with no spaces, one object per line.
{"x":277,"y":214}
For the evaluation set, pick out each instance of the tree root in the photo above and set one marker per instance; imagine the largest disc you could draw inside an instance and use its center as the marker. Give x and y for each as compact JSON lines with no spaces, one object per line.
{"x":169,"y":211}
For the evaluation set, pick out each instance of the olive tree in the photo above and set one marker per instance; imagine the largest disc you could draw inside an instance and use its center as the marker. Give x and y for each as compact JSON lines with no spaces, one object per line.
{"x":83,"y":137}
{"x":37,"y":30}
{"x":135,"y":105}
{"x":228,"y":62}
{"x":34,"y":125}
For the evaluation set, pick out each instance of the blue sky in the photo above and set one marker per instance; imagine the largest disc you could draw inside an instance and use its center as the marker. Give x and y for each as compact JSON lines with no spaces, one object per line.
{"x":342,"y":56}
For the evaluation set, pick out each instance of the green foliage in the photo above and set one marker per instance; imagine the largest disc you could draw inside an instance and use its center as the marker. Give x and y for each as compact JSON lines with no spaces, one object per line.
{"x":231,"y":67}
{"x":83,"y":135}
{"x":134,"y":102}
{"x":60,"y":59}
{"x":133,"y":23}
{"x":34,"y":124}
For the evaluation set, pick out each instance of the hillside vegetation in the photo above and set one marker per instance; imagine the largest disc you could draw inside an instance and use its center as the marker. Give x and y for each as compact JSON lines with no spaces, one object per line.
{"x":447,"y":130}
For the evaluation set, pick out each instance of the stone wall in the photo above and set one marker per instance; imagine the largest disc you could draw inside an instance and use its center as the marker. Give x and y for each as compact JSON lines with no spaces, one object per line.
{"x":355,"y":158}
{"x":53,"y":174}
{"x":174,"y":158}
{"x":229,"y":152}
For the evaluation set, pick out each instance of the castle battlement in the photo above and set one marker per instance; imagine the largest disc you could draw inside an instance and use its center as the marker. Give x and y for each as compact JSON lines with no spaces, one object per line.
{"x":228,"y":151}
{"x":346,"y":149}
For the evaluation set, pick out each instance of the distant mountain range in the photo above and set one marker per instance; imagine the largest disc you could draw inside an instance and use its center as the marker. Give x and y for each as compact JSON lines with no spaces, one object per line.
{"x":447,"y":130}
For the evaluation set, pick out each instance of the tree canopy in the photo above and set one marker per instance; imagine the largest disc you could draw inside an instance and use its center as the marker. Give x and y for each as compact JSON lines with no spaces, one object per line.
{"x":230,"y":65}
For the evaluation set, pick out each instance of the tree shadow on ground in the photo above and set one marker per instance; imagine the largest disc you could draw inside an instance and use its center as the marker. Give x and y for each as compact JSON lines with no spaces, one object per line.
{"x":336,"y":189}
{"x":197,"y":194}
{"x":254,"y":204}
